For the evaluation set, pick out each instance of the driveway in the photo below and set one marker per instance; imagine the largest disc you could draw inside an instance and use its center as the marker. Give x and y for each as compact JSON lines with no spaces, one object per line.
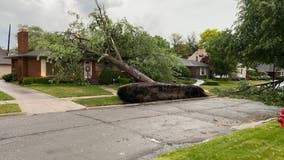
{"x":35,"y":102}
{"x":198,"y":82}
{"x":125,"y":133}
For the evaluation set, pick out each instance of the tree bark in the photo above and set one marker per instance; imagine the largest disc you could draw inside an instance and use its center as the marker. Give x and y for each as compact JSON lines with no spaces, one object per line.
{"x":133,"y":72}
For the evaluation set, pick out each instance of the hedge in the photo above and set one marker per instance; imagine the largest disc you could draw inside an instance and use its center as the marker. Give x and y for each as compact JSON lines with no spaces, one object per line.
{"x":210,"y":82}
{"x":10,"y":77}
{"x":38,"y":80}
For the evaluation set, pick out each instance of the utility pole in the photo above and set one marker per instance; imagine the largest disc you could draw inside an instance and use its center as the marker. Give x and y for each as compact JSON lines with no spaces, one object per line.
{"x":9,"y":39}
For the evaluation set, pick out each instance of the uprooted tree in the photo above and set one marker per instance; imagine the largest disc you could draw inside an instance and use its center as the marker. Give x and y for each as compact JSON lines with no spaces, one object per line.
{"x":89,"y":43}
{"x":144,"y":57}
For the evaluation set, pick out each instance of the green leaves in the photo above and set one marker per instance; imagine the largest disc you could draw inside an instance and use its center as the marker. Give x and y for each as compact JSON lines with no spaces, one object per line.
{"x":101,"y":38}
{"x":260,"y":31}
{"x":207,"y":36}
{"x":182,"y":48}
{"x":223,"y":54}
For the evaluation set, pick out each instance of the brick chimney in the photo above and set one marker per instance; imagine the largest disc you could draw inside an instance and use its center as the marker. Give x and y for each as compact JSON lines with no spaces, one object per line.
{"x":23,"y":40}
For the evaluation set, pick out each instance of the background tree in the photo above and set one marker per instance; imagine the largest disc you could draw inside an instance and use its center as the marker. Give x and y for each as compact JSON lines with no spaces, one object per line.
{"x":192,"y":43}
{"x":223,"y":57}
{"x":180,"y":47}
{"x":36,"y":34}
{"x":207,"y":36}
{"x":260,"y":31}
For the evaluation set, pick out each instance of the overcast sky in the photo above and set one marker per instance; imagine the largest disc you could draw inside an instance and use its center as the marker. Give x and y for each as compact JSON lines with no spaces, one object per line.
{"x":158,"y":17}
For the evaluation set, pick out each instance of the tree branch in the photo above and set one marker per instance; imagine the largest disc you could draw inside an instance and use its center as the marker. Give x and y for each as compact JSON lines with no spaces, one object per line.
{"x":105,"y":20}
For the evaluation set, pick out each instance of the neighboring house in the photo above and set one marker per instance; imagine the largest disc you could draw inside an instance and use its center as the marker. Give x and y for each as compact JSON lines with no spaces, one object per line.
{"x":202,"y":56}
{"x":5,"y":64}
{"x":241,"y":72}
{"x":199,"y":56}
{"x":27,"y":63}
{"x":269,"y":69}
{"x":198,"y":69}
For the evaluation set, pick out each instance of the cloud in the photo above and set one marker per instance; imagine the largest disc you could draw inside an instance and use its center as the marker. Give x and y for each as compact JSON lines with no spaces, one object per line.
{"x":48,"y":14}
{"x":165,"y":17}
{"x":162,"y":17}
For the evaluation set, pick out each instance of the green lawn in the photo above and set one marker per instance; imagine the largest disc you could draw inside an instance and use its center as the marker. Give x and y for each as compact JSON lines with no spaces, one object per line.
{"x":188,"y":82}
{"x":69,"y":90}
{"x":116,"y":86}
{"x":9,"y":108}
{"x":95,"y":102}
{"x":4,"y":96}
{"x":262,"y":143}
{"x":224,"y":85}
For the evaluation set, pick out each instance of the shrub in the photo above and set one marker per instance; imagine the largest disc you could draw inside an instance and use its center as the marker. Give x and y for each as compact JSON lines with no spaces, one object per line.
{"x":253,"y":78}
{"x":210,"y":82}
{"x":27,"y":81}
{"x":238,"y":79}
{"x":106,"y":76}
{"x":147,"y":92}
{"x":10,"y":77}
{"x":252,"y":73}
{"x":124,"y":80}
{"x":37,"y":80}
{"x":41,"y":80}
{"x":185,"y":72}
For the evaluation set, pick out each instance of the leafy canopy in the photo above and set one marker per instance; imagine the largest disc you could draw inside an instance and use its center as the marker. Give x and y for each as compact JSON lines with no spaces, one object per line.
{"x":184,"y":48}
{"x":149,"y":54}
{"x":222,"y":50}
{"x":260,"y":31}
{"x":207,"y":36}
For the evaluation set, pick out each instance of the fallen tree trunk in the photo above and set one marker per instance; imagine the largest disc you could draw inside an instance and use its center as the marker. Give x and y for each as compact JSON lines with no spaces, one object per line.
{"x":133,"y":72}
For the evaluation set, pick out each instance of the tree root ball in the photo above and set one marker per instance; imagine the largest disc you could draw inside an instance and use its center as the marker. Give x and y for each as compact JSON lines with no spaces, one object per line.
{"x":148,"y":92}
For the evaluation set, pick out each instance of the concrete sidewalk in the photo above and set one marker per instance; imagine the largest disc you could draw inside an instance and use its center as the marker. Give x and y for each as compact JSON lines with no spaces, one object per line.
{"x":198,"y":82}
{"x":35,"y":102}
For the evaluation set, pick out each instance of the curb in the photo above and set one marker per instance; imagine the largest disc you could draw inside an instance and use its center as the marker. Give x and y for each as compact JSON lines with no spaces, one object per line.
{"x":146,"y":103}
{"x":87,"y":97}
{"x":252,"y":124}
{"x":13,"y":114}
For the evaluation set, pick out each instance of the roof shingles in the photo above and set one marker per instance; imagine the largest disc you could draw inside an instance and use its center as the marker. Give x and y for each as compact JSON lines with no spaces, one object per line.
{"x":3,"y":60}
{"x":191,"y":63}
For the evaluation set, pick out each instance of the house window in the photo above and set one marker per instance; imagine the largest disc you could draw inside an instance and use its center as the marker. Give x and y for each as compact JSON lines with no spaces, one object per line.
{"x":203,"y":72}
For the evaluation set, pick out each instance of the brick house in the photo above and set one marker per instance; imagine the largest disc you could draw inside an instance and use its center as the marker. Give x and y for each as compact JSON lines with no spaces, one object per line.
{"x":197,"y":69}
{"x":27,"y":63}
{"x":198,"y":64}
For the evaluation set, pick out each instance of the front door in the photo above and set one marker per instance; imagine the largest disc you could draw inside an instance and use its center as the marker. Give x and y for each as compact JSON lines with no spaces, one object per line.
{"x":88,"y":70}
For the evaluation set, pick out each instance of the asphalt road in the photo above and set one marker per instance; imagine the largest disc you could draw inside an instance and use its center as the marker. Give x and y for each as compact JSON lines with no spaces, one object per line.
{"x":141,"y":132}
